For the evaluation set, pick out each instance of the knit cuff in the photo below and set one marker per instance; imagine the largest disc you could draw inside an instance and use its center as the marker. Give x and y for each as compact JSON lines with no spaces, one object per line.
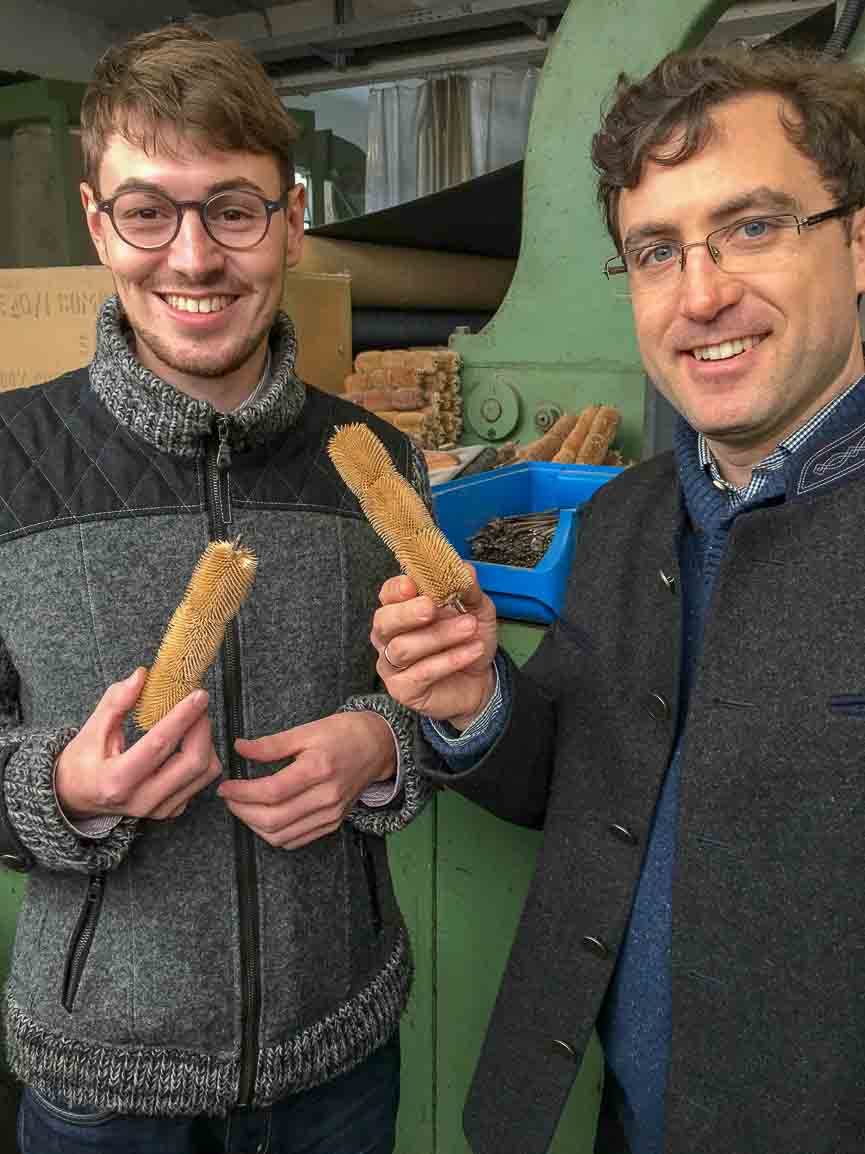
{"x":36,"y":817}
{"x":380,"y":793}
{"x":416,"y":790}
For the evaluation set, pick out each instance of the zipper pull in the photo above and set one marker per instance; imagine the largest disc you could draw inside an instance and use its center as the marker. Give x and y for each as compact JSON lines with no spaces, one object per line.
{"x":223,"y":455}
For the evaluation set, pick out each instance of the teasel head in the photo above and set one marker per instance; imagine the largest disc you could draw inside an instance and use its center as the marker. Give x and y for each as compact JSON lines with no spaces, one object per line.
{"x":399,"y":516}
{"x":218,"y":587}
{"x":360,"y":457}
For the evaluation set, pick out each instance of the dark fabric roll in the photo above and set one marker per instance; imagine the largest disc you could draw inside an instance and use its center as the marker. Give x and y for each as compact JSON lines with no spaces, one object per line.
{"x":402,"y":328}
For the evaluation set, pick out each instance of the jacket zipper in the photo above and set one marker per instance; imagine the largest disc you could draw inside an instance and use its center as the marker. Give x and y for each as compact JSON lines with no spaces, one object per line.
{"x":371,"y":882}
{"x":218,"y":462}
{"x":82,"y":939}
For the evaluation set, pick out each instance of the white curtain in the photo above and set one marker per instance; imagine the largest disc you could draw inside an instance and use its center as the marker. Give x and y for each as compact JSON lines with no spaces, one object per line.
{"x":501,"y":104}
{"x":444,"y":133}
{"x":440,"y":131}
{"x":391,"y":157}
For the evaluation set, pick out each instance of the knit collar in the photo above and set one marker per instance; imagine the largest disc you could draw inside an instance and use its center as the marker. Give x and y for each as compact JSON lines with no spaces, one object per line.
{"x":706,"y":505}
{"x":174,"y":422}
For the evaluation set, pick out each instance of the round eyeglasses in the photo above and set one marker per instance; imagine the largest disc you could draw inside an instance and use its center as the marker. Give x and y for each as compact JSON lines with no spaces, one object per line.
{"x":745,"y":246}
{"x":238,"y":219}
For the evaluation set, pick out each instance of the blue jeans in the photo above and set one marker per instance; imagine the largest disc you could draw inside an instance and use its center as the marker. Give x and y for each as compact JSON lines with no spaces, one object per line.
{"x":353,"y":1114}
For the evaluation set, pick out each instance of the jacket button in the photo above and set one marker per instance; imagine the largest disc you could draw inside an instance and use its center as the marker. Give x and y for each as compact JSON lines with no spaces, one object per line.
{"x":564,"y":1048}
{"x":658,"y":707}
{"x":597,"y":947}
{"x":624,"y":834}
{"x":669,"y":582}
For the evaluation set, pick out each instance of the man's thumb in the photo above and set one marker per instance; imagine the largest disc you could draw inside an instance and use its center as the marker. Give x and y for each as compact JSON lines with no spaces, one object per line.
{"x":122,"y":695}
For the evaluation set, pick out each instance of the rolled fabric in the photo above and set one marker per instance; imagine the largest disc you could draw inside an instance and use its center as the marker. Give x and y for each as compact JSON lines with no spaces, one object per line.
{"x":600,"y":436}
{"x":546,"y":447}
{"x":572,"y":444}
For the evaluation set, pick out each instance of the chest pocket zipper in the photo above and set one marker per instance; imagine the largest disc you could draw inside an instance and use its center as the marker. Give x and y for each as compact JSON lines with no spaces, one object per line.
{"x":82,"y":940}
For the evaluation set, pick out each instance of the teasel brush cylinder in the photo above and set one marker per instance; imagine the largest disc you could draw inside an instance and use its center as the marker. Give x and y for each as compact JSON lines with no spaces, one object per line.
{"x":399,"y":516}
{"x":218,"y":587}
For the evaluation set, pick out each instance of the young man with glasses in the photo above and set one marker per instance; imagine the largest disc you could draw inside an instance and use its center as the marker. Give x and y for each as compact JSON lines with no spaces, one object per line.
{"x":210,"y":956}
{"x":691,"y":731}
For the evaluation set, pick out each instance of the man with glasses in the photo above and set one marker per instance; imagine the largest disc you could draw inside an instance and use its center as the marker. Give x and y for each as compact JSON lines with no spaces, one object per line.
{"x":691,"y":731}
{"x":210,"y":956}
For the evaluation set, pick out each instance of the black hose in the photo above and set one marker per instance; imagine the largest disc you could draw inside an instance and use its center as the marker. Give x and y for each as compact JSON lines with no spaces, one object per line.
{"x":839,"y":41}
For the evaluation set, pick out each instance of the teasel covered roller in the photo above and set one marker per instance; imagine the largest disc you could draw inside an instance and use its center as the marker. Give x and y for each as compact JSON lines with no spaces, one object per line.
{"x":399,"y":516}
{"x":218,"y":587}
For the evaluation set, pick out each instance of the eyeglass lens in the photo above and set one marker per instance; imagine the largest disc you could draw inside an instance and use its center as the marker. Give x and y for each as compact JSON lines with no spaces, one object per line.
{"x":236,"y":219}
{"x":767,"y":242}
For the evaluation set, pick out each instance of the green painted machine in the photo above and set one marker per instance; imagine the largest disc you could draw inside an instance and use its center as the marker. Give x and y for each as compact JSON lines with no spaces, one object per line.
{"x":561,"y":338}
{"x":41,"y":222}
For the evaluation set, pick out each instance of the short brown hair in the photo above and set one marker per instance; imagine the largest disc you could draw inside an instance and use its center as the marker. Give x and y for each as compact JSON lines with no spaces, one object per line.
{"x":827,"y":97}
{"x":183,"y":78}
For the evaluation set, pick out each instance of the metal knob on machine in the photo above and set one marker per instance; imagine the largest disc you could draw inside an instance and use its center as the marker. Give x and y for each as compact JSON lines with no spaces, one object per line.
{"x":493,"y":409}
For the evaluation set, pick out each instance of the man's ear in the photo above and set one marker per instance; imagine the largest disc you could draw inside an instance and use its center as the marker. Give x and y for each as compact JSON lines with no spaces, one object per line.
{"x":857,"y":247}
{"x":294,"y":224}
{"x":96,"y":220}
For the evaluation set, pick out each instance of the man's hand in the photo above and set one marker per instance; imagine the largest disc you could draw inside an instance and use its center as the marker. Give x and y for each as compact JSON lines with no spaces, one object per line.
{"x":335,"y":759}
{"x":155,"y":777}
{"x":436,"y":661}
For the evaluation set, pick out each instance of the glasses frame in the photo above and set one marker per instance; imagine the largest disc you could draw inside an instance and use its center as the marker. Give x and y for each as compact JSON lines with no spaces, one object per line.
{"x":615,"y":265}
{"x":200,"y":206}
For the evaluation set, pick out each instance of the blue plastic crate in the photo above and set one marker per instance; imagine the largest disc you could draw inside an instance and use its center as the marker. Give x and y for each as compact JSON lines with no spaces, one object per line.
{"x":467,"y":504}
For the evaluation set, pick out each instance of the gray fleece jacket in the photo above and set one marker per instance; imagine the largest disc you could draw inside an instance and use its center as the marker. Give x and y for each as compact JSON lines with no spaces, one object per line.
{"x":186,"y":966}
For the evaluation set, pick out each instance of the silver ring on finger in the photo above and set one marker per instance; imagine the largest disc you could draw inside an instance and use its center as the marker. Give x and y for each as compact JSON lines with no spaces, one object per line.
{"x":391,"y":661}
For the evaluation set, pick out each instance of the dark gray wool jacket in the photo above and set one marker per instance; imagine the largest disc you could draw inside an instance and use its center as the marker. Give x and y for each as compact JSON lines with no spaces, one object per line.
{"x":186,"y":966}
{"x":768,"y":916}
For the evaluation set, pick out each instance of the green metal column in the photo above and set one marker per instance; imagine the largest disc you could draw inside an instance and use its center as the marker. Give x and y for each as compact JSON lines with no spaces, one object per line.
{"x":484,"y":869}
{"x":412,"y":856}
{"x":856,"y":52}
{"x":11,"y":895}
{"x":561,"y":337}
{"x":57,"y":104}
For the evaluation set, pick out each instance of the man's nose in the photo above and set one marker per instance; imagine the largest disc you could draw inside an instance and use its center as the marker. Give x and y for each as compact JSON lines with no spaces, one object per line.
{"x":193,"y":251}
{"x":705,"y":288}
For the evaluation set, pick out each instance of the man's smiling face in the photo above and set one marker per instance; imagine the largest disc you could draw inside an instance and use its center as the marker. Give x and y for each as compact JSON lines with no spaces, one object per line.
{"x":200,"y":313}
{"x":775,"y":345}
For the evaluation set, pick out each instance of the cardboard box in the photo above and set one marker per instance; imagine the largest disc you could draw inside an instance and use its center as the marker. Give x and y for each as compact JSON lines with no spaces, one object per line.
{"x":48,"y":323}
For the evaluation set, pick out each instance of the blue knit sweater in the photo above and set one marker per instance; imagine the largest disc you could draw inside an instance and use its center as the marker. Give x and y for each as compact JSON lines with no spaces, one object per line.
{"x":636,"y":1021}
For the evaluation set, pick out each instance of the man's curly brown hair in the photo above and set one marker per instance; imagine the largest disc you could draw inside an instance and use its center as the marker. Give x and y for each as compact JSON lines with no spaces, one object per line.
{"x":667,"y":116}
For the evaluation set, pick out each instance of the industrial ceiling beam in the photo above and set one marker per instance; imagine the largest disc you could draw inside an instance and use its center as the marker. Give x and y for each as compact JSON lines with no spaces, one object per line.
{"x":518,"y":52}
{"x":761,"y":19}
{"x":419,"y":24}
{"x":471,"y":34}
